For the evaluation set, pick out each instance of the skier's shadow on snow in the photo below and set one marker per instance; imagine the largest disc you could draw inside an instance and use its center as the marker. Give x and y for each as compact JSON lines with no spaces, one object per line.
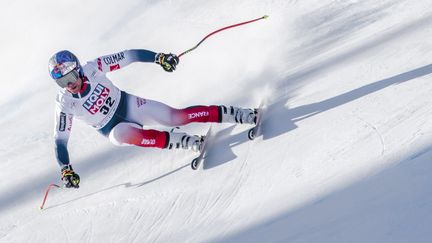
{"x":220,"y":147}
{"x":280,"y":119}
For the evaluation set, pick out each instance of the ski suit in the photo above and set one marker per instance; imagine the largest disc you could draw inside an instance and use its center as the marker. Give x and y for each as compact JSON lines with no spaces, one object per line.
{"x":117,"y":114}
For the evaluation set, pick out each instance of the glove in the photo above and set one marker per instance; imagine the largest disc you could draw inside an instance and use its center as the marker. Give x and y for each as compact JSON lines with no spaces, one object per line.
{"x":167,"y":61}
{"x":69,"y":177}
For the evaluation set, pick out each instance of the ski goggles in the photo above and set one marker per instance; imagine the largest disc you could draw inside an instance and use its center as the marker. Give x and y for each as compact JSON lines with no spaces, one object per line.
{"x":70,"y":77}
{"x":64,"y":73}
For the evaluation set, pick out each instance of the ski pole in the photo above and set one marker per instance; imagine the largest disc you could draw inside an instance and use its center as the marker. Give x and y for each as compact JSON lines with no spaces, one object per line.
{"x":46,"y":193}
{"x":219,"y":30}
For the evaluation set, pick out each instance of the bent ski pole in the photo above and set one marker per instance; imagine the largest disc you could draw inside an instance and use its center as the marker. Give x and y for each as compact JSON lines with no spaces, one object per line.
{"x":219,"y":30}
{"x":46,"y":193}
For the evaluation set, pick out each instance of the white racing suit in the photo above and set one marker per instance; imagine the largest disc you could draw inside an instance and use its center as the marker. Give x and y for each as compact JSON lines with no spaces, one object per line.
{"x":117,"y":114}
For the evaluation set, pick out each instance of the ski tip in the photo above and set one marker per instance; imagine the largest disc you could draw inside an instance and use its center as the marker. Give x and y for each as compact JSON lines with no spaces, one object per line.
{"x":265,"y":17}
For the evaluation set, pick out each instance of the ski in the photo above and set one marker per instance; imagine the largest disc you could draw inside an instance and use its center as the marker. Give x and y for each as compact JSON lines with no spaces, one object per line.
{"x":202,"y":152}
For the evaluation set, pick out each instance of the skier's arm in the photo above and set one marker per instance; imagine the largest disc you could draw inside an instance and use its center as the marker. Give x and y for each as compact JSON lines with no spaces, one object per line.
{"x":122,"y":59}
{"x":63,"y":125}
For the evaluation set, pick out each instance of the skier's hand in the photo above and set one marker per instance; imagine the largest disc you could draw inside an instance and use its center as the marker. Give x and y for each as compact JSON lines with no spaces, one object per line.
{"x":167,"y":61}
{"x":69,"y":177}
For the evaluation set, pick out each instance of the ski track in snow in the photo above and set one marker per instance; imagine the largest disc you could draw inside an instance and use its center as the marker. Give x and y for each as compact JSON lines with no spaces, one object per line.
{"x":376,"y":131}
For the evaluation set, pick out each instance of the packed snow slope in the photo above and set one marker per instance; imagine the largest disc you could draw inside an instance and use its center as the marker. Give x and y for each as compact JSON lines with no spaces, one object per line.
{"x":346,"y":150}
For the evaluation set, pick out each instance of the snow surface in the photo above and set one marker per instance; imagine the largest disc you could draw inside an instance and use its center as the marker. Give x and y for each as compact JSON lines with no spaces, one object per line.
{"x":347,"y":144}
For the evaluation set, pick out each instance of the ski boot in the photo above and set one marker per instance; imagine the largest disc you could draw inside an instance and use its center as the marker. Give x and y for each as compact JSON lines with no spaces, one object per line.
{"x":185,"y":141}
{"x":233,"y":114}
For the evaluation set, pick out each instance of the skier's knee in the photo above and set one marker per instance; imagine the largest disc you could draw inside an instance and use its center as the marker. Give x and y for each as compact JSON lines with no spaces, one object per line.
{"x":118,"y":135}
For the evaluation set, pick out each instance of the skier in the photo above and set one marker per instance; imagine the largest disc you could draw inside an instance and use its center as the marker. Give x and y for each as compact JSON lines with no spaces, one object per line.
{"x":89,"y":95}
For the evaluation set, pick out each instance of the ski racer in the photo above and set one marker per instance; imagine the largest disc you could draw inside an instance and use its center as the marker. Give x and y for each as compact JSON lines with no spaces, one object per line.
{"x":87,"y":94}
